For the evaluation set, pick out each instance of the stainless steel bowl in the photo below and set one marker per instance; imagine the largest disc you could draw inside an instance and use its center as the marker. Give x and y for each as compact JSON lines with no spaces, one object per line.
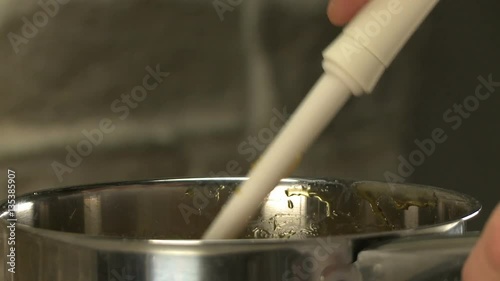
{"x":307,"y":229}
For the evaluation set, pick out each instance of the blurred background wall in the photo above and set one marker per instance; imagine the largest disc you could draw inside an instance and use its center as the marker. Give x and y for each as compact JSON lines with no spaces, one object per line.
{"x":233,"y":76}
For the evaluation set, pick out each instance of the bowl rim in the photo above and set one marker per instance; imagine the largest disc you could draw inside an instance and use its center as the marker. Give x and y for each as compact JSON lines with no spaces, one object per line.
{"x":142,"y":245}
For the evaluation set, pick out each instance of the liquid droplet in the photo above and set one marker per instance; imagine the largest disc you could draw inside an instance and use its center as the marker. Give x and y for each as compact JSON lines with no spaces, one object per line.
{"x":189,"y":192}
{"x":290,"y":204}
{"x":260,"y":233}
{"x":309,"y":192}
{"x":218,"y":191}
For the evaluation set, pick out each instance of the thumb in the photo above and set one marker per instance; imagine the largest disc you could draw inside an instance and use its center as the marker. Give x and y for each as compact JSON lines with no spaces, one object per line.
{"x":341,"y":12}
{"x":483,"y":262}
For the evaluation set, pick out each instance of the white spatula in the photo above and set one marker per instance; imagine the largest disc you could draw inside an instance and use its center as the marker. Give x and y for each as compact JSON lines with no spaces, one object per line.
{"x":353,"y":65}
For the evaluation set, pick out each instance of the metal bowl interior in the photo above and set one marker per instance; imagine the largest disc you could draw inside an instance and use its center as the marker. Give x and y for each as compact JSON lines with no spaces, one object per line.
{"x":173,"y":209}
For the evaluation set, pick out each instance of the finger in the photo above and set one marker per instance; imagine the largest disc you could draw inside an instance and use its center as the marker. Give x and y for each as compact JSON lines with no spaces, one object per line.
{"x":341,"y":12}
{"x":484,"y":261}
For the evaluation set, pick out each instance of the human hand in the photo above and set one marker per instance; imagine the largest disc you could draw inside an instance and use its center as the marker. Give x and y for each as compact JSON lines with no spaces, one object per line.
{"x":341,"y":12}
{"x":483,"y":262}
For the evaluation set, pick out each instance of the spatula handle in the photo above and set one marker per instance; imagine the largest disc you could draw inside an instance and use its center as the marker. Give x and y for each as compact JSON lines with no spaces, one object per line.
{"x":371,"y":41}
